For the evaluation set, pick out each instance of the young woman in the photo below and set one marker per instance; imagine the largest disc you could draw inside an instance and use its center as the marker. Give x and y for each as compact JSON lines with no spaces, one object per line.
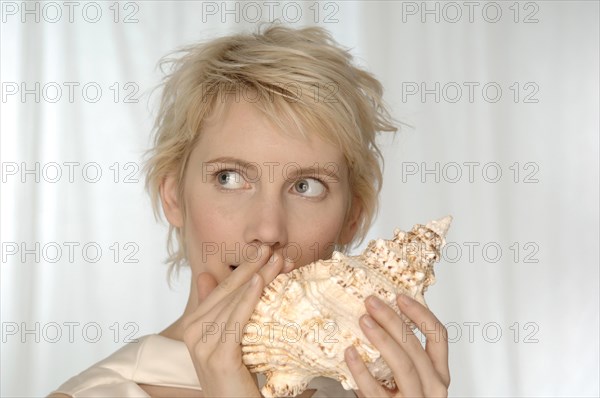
{"x":264,"y":160}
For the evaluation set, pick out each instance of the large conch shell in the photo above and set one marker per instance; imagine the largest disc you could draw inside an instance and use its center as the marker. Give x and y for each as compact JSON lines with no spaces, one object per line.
{"x":307,"y":318}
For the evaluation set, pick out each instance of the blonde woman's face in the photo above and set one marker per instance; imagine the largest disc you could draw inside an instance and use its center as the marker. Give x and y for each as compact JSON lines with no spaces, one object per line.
{"x":248,"y":183}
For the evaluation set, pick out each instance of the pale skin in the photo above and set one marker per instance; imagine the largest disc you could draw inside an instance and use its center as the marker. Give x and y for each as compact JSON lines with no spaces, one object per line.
{"x":246,"y":223}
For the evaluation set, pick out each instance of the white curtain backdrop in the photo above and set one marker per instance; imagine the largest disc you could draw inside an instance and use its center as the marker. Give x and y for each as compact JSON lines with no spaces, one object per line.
{"x":502,"y":99}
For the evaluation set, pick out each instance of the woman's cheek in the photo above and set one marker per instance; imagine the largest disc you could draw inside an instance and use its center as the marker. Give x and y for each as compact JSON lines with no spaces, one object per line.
{"x":206,"y":232}
{"x":317,"y":239}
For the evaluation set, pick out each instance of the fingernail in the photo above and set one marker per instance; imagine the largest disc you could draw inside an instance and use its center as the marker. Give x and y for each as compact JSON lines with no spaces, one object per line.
{"x":404,"y":299}
{"x":368,"y":321}
{"x":404,"y":318}
{"x":352,"y":353}
{"x":289,"y":265}
{"x":374,"y":302}
{"x":274,"y":258}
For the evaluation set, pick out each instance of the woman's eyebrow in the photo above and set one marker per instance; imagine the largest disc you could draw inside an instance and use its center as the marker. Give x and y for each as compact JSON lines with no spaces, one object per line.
{"x":243,"y":164}
{"x":327,"y":172}
{"x":289,"y":170}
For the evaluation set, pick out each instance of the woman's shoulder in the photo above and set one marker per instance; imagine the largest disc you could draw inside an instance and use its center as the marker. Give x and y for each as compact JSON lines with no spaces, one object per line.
{"x":113,"y":376}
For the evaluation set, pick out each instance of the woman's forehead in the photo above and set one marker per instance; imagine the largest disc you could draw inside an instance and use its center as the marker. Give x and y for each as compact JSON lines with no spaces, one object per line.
{"x":243,"y":131}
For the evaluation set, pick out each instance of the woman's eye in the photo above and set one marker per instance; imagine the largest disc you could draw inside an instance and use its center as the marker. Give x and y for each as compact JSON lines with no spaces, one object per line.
{"x":309,"y":187}
{"x":230,"y":179}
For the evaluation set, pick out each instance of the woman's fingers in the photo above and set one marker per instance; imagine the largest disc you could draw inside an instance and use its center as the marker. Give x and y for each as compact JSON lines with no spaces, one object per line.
{"x":227,"y":311}
{"x":214,"y":331}
{"x":267,"y":270}
{"x":231,"y":318}
{"x":417,"y":372}
{"x":257,"y":257}
{"x":436,"y":334}
{"x":405,"y":372}
{"x":394,"y":325}
{"x":288,"y":265}
{"x":367,"y":385}
{"x":400,"y":333}
{"x":238,"y":306}
{"x":272,"y":268}
{"x":241,"y":311}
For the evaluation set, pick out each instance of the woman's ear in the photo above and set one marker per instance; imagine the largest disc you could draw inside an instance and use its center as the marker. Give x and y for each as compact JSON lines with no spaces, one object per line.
{"x":352,"y":221}
{"x":169,"y":197}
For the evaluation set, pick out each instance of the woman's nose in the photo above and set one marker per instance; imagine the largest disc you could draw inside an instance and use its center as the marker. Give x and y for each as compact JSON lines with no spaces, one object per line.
{"x":266,"y":221}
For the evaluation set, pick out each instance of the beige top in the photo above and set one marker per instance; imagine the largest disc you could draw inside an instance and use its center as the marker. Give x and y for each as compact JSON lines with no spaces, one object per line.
{"x":159,"y":361}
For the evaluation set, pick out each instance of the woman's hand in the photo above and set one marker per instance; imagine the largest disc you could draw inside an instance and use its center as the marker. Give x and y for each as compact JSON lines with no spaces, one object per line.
{"x":418,"y":372}
{"x":213,"y":332}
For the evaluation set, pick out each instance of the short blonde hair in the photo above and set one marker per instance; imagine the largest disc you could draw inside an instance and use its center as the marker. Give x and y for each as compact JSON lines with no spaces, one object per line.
{"x":298,"y":77}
